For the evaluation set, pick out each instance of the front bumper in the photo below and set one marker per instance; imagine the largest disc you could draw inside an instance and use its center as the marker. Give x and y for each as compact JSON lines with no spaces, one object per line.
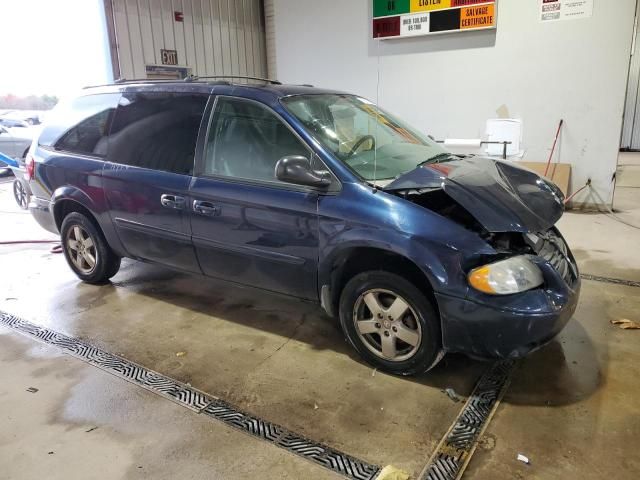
{"x":508,"y":326}
{"x":43,"y":213}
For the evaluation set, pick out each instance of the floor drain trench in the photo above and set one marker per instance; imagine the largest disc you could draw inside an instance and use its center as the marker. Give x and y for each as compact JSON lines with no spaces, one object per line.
{"x":197,"y":401}
{"x":614,"y":281}
{"x":454,"y":452}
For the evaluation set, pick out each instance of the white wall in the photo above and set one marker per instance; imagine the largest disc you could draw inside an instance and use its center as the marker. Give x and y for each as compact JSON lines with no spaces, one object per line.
{"x":449,"y":85}
{"x":217,"y":37}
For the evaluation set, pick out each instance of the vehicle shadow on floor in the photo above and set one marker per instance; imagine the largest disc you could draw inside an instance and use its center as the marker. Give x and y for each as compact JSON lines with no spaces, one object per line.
{"x":564,"y":372}
{"x":547,"y":377}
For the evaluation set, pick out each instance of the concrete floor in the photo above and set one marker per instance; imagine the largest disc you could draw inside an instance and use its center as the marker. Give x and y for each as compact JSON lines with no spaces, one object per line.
{"x":569,"y":408}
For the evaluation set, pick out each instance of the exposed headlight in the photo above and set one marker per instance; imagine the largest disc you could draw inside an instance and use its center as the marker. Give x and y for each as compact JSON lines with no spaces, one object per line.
{"x":514,"y":275}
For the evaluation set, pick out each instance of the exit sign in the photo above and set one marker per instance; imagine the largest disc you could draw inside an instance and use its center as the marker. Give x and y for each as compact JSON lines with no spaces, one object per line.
{"x":169,"y":57}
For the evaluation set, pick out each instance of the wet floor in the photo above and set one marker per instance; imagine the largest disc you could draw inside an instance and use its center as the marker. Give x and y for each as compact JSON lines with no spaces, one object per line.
{"x":572,"y":407}
{"x":83,"y":423}
{"x":285,"y":361}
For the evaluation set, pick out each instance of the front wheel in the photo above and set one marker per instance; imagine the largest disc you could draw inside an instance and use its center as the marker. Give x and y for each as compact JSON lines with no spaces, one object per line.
{"x":391,"y":324}
{"x":86,"y":250}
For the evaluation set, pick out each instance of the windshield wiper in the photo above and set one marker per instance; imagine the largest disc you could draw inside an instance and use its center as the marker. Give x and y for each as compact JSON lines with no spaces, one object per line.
{"x":439,"y":158}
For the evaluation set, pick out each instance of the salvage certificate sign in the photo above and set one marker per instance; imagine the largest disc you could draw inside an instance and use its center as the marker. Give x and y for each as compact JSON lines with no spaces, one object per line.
{"x":408,"y":18}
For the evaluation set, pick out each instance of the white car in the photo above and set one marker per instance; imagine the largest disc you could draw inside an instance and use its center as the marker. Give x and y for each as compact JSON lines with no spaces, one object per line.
{"x":14,"y":143}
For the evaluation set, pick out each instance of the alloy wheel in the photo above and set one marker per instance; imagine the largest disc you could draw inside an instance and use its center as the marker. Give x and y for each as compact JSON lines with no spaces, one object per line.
{"x":387,"y":325}
{"x":82,"y":250}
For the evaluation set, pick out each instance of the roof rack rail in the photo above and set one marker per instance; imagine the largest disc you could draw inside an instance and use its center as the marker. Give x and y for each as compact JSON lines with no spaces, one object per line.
{"x":120,"y":81}
{"x":190,"y":78}
{"x":195,"y":78}
{"x":153,"y":80}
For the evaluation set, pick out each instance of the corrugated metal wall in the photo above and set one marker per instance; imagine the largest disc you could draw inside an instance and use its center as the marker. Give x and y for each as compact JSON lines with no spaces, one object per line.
{"x":631,"y":124}
{"x":270,"y":37}
{"x":217,"y":37}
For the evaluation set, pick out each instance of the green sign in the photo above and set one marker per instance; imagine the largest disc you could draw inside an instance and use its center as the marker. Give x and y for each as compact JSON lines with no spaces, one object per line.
{"x":382,"y":8}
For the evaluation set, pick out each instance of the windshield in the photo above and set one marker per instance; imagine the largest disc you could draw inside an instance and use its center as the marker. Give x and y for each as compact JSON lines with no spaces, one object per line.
{"x":374,"y":144}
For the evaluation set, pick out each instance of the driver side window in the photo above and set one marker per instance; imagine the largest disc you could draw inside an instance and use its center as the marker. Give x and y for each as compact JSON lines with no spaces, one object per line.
{"x":246,"y":140}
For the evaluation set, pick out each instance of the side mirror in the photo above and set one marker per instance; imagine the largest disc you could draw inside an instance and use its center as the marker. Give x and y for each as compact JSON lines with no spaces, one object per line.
{"x":297,"y":169}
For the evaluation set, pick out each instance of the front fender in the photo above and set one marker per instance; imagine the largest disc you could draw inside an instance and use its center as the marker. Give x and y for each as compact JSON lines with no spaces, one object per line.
{"x":428,"y":259}
{"x":361,"y":218}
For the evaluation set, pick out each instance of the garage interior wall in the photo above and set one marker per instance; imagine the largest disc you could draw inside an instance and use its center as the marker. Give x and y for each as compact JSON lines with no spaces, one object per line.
{"x":216,"y":37}
{"x":449,"y":85}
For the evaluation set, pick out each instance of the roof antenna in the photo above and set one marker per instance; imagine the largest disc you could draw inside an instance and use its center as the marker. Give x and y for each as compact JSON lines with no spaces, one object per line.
{"x":375,"y":133}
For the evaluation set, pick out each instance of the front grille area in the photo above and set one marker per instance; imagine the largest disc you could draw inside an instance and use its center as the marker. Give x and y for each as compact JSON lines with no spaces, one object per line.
{"x":552,"y":247}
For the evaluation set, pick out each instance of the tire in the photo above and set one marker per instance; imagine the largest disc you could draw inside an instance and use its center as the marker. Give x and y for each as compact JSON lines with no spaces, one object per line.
{"x":21,"y":194}
{"x":76,"y":230}
{"x":419,"y":325}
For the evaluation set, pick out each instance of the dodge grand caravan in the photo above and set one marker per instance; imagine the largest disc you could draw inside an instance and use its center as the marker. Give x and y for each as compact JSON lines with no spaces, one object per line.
{"x":315,"y":194}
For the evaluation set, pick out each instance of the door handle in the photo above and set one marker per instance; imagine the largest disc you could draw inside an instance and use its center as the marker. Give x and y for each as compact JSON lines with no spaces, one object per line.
{"x":205,"y":208}
{"x":172,"y":201}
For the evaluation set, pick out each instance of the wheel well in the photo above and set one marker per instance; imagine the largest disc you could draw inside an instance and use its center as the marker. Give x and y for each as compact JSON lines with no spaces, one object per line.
{"x":62,"y":208}
{"x":358,"y":260}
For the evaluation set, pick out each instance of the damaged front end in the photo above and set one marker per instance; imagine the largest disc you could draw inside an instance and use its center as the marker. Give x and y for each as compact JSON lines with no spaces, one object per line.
{"x":521,"y":295}
{"x":547,"y":244}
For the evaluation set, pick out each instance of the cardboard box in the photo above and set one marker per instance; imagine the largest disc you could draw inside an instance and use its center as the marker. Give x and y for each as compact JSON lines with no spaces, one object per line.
{"x":559,"y":173}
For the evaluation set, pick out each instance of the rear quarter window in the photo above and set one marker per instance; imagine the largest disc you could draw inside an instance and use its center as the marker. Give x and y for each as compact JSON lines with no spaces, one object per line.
{"x":81,"y":125}
{"x":157,"y":130}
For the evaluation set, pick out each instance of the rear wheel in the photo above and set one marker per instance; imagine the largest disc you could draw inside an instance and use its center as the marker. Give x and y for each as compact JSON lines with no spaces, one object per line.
{"x":390,"y":323}
{"x":87,"y":251}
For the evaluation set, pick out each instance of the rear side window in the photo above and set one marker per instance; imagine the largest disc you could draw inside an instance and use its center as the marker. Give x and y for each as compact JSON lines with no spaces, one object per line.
{"x":157,"y":130}
{"x":81,"y":125}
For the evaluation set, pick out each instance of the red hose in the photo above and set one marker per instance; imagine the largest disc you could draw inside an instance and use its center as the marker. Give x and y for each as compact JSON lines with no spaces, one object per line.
{"x":553,"y":149}
{"x":55,"y":249}
{"x":568,"y":199}
{"x":15,"y":242}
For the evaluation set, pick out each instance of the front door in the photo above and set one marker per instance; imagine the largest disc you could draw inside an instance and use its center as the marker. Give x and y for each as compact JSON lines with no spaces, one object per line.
{"x":247,"y":226}
{"x":146,"y":180}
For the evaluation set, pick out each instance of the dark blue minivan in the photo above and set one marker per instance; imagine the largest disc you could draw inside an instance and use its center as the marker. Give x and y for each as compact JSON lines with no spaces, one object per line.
{"x":315,"y":194}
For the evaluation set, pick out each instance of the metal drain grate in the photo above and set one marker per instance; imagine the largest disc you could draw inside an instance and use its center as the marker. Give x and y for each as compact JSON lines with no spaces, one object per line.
{"x":198,"y":401}
{"x":455,"y":450}
{"x":614,"y":281}
{"x":141,"y":376}
{"x":280,"y":436}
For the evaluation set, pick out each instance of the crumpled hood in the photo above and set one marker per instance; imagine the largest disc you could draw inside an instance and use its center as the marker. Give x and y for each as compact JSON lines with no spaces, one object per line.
{"x":501,"y":196}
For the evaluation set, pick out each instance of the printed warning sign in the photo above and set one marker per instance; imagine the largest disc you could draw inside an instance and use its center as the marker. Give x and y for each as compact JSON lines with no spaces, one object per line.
{"x":481,"y":16}
{"x":417,"y":24}
{"x":555,"y":10}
